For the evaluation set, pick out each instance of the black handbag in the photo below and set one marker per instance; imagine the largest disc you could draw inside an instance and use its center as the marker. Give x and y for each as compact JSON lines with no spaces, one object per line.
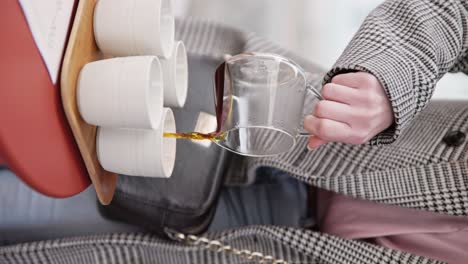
{"x":186,"y":201}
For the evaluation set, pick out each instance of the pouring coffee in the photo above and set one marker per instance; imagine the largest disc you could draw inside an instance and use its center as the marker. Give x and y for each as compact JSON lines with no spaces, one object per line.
{"x":259,"y":99}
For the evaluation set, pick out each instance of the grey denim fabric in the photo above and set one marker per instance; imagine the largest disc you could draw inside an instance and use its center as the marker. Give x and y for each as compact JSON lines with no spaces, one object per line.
{"x":26,"y":215}
{"x":275,"y":198}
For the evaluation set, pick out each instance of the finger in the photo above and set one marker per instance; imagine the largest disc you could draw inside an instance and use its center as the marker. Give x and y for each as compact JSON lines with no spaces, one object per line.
{"x":333,"y":110}
{"x":351,"y":96}
{"x":357,"y":80}
{"x":326,"y":129}
{"x":340,"y":93}
{"x":315,"y":142}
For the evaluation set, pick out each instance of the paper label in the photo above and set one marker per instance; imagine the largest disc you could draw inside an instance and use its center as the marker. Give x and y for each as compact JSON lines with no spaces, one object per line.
{"x":48,"y":22}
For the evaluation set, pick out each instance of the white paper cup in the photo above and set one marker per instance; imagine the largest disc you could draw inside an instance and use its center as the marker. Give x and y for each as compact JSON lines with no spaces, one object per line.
{"x":122,"y":92}
{"x":138,"y":152}
{"x":134,"y":27}
{"x":175,"y":72}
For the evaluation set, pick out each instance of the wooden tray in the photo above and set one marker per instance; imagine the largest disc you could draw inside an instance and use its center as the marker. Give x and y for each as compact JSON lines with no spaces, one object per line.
{"x":82,"y":49}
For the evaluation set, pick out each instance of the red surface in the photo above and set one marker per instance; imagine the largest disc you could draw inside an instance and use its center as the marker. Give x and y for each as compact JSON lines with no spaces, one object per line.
{"x":35,"y":140}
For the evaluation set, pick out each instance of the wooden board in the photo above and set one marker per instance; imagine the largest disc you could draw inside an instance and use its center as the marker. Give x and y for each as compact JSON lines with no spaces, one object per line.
{"x":81,"y":50}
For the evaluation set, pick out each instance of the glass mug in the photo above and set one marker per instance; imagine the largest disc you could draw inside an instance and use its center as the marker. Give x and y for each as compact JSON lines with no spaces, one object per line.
{"x":259,"y":99}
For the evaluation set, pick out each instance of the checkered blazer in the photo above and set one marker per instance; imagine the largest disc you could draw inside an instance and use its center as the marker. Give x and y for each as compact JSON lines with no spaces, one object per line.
{"x":408,"y":45}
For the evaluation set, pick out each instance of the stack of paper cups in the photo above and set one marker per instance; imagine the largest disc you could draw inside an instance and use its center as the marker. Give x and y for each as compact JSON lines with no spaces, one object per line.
{"x":134,"y":27}
{"x":122,"y":92}
{"x":139,"y":152}
{"x":144,"y":27}
{"x":127,"y":96}
{"x":175,"y":74}
{"x":124,"y":97}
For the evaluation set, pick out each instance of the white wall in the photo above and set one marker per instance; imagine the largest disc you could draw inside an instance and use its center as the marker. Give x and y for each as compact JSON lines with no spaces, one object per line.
{"x":316,"y":29}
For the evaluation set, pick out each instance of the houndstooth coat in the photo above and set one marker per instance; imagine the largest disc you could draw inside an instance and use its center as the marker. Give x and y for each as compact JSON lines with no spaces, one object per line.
{"x":408,"y":45}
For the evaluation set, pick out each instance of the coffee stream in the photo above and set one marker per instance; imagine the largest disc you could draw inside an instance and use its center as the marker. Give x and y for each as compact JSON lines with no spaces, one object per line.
{"x":197,"y":136}
{"x":219,"y":93}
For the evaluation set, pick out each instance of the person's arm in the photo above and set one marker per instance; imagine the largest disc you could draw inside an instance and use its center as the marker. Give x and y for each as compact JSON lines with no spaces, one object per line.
{"x":402,"y":49}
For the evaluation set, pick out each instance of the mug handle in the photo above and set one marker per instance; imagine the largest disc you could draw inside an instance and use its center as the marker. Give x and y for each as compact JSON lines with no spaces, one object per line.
{"x":310,"y":88}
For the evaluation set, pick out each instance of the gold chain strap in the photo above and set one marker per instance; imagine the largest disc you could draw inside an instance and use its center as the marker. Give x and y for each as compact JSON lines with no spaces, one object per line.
{"x":218,"y":246}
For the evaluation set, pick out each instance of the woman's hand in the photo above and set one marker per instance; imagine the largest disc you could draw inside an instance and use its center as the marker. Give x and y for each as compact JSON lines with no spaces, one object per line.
{"x":355,"y":109}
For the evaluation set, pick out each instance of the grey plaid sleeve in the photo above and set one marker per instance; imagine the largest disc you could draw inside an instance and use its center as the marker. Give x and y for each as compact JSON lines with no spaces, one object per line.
{"x":408,"y":45}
